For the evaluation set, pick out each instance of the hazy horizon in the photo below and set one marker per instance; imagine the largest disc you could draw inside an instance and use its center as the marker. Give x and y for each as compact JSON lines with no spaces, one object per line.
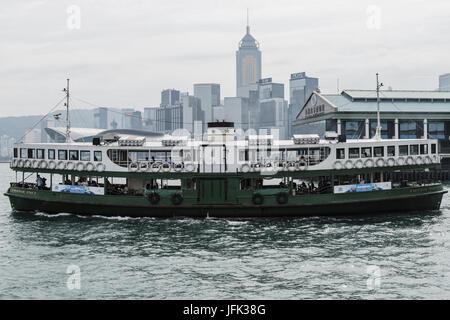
{"x":125,"y":52}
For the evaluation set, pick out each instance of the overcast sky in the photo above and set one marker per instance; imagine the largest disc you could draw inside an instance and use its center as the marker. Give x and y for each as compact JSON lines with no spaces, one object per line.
{"x":125,"y":52}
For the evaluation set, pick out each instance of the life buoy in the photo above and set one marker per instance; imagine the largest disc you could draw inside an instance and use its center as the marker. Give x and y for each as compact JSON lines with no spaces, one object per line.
{"x":51,"y":164}
{"x":61,"y":165}
{"x":134,"y":166}
{"x":435,"y":159}
{"x":80,"y":166}
{"x":27,"y":164}
{"x":380,"y":162}
{"x":291,"y":166}
{"x":70,"y":165}
{"x":90,"y":166}
{"x":165,"y":167}
{"x":100,"y":167}
{"x":143,"y":166}
{"x":338,"y":165}
{"x":43,"y":164}
{"x":245,"y":168}
{"x":400,"y":161}
{"x":35,"y":164}
{"x":358,"y":164}
{"x":410,"y":161}
{"x":177,"y":198}
{"x":419,"y":160}
{"x":189,"y":167}
{"x":257,"y":199}
{"x":348,"y":164}
{"x":302,"y":165}
{"x":390,"y":162}
{"x":154,"y":197}
{"x":178,"y":167}
{"x":155,"y":167}
{"x":257,"y":167}
{"x":428,"y":160}
{"x":369,"y":163}
{"x":20,"y":163}
{"x":282,"y":198}
{"x":14,"y":163}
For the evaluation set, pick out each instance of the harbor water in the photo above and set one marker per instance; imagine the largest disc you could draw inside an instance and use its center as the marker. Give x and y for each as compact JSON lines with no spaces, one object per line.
{"x":386,"y":256}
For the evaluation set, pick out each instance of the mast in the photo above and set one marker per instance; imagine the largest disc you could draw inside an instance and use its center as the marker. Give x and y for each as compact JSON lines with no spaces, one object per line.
{"x":378,"y":131}
{"x":66,"y":90}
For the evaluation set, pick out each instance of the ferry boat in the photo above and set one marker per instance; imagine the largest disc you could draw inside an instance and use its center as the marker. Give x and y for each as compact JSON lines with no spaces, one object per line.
{"x":226,"y":174}
{"x":222,"y":176}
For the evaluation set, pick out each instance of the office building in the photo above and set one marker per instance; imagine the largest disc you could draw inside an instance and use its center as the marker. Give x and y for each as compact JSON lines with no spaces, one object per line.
{"x":444,"y":82}
{"x":209,"y":95}
{"x":248,"y":62}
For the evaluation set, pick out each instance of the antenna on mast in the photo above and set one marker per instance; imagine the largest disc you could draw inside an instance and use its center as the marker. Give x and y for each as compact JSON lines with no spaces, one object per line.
{"x":378,"y":131}
{"x":66,"y":90}
{"x":248,"y":23}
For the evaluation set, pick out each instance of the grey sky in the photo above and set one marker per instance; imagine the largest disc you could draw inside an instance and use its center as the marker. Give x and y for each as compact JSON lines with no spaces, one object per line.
{"x":126,"y":52}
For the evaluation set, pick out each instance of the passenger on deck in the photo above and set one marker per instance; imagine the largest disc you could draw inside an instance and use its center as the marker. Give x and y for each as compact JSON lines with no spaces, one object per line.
{"x":39,"y":182}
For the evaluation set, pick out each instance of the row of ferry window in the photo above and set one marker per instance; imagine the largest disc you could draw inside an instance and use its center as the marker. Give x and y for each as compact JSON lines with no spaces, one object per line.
{"x":74,"y":155}
{"x":366,"y":152}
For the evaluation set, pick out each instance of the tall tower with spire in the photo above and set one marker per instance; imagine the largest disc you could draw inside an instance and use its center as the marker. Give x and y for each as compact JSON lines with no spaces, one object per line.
{"x":248,"y":61}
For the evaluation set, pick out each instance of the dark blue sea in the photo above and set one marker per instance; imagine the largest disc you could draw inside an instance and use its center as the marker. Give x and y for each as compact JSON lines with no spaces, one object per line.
{"x":386,"y":256}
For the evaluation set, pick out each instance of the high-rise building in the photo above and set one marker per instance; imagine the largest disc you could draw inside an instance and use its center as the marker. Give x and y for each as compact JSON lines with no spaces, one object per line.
{"x":268,"y":89}
{"x":248,"y":62}
{"x":170,"y":97}
{"x":193,"y":115}
{"x":169,"y":118}
{"x":444,"y":82}
{"x":300,"y":88}
{"x":209,"y":95}
{"x":101,"y":118}
{"x":127,"y":118}
{"x":149,"y":121}
{"x":274,"y":117}
{"x":236,"y":110}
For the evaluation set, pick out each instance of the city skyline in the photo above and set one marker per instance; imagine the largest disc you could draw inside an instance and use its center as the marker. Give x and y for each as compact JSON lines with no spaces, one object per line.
{"x":125,"y":55}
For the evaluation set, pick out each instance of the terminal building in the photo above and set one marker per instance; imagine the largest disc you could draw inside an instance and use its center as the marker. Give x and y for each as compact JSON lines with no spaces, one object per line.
{"x":404,"y":114}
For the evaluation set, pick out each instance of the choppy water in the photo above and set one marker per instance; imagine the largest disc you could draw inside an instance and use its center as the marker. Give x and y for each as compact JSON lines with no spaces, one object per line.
{"x":390,"y":256}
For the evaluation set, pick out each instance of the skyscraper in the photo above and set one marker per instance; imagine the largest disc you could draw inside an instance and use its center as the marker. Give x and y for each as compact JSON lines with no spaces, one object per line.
{"x":170,"y":97}
{"x":209,"y":95}
{"x":444,"y":82}
{"x":248,"y":61}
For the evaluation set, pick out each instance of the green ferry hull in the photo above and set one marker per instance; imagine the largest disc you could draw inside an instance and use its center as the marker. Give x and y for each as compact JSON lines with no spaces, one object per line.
{"x":373,"y":202}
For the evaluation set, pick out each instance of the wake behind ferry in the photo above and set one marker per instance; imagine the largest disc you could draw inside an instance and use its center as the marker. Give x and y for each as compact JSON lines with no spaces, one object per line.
{"x":223,"y":175}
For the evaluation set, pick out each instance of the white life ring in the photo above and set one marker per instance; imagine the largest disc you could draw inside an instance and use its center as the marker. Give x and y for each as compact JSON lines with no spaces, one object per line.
{"x":143,"y":166}
{"x":380,"y":162}
{"x":27,"y":164}
{"x":165,"y":167}
{"x":257,"y":167}
{"x":291,"y":166}
{"x":390,"y":162}
{"x":70,"y":165}
{"x":178,"y":167}
{"x":410,"y":161}
{"x":348,"y":164}
{"x":90,"y":166}
{"x":190,"y":167}
{"x":435,"y":159}
{"x":369,"y":163}
{"x":81,"y":166}
{"x":61,"y":165}
{"x":20,"y":163}
{"x":155,"y":167}
{"x":302,"y":165}
{"x":51,"y":164}
{"x":43,"y":164}
{"x":428,"y":160}
{"x":14,"y":163}
{"x":419,"y":160}
{"x":101,"y":167}
{"x":134,"y":166}
{"x":359,"y":164}
{"x":400,"y":161}
{"x":245,"y":168}
{"x":338,"y":165}
{"x":35,"y":164}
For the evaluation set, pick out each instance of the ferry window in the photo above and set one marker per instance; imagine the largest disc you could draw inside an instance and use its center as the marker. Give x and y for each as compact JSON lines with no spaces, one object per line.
{"x":433,"y":148}
{"x":73,"y":155}
{"x":391,"y":151}
{"x":31,"y":153}
{"x":97,"y":156}
{"x":402,"y":150}
{"x":40,"y":154}
{"x":23,"y":152}
{"x":423,"y":149}
{"x":414,"y":149}
{"x":378,"y":151}
{"x":85,"y":155}
{"x":340,"y":153}
{"x":353,"y":153}
{"x":143,"y":155}
{"x":62,"y":154}
{"x":366,"y":152}
{"x":15,"y":152}
{"x":51,"y":154}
